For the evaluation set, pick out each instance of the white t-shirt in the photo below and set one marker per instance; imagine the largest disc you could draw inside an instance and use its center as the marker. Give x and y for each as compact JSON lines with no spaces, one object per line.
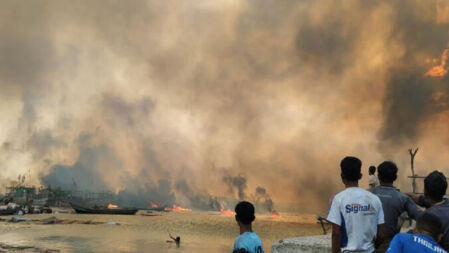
{"x":373,"y":180}
{"x":357,"y":212}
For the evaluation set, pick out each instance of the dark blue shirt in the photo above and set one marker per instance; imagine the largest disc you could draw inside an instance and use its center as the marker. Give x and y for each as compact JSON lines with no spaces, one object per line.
{"x":441,"y":210}
{"x":394,"y":203}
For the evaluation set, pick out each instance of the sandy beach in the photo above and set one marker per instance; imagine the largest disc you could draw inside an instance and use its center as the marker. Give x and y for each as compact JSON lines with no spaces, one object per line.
{"x":199,"y":231}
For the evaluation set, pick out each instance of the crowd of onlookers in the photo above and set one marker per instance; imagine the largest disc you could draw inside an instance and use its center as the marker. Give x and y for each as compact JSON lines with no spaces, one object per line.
{"x":371,"y":220}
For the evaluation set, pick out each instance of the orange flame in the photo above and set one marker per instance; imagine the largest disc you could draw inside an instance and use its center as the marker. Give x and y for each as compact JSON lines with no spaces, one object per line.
{"x":177,"y":209}
{"x":112,"y":206}
{"x":227,"y":212}
{"x":440,"y":70}
{"x":154,"y":205}
{"x":275,"y":214}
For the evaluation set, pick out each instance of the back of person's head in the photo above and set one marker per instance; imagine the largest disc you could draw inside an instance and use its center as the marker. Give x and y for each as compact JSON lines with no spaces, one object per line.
{"x":350,"y":168}
{"x":372,"y":170}
{"x":435,"y":185}
{"x":244,"y":212}
{"x":429,"y":223}
{"x":387,"y":172}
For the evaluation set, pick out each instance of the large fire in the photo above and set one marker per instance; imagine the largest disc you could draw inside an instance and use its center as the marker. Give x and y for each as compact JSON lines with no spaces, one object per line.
{"x":275,"y":214}
{"x":177,"y":209}
{"x":227,"y":212}
{"x":440,"y":70}
{"x":112,"y":206}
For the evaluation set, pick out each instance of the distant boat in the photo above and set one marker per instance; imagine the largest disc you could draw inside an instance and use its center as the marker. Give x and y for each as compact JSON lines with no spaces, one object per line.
{"x":7,"y":212}
{"x":85,"y":209}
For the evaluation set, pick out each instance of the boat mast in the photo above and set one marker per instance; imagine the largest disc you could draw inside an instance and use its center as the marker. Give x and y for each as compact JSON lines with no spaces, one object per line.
{"x":412,"y":158}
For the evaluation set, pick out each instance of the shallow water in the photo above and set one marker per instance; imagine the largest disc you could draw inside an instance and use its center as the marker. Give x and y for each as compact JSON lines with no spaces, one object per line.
{"x":200,"y":232}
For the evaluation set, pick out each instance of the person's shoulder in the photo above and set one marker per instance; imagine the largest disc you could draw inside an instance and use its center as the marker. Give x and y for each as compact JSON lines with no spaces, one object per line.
{"x":402,"y":237}
{"x":339,"y":195}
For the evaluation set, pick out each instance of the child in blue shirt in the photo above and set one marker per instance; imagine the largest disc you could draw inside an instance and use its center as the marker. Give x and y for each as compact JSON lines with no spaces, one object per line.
{"x":424,"y":239}
{"x":247,"y":241}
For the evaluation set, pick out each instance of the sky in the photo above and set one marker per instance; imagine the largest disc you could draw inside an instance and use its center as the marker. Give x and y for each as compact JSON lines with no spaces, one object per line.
{"x":189,"y":102}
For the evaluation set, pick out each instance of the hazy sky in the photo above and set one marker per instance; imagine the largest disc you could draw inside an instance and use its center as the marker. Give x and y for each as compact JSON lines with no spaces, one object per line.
{"x":170,"y":98}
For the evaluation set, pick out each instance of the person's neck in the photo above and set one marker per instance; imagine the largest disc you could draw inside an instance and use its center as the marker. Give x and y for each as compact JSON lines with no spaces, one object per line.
{"x":386,"y":184}
{"x":426,"y":233}
{"x":433,"y":202}
{"x":352,"y":184}
{"x":245,"y":228}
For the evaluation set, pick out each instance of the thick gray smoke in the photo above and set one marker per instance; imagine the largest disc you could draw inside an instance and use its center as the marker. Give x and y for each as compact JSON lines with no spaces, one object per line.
{"x":238,"y":183}
{"x":146,"y":99}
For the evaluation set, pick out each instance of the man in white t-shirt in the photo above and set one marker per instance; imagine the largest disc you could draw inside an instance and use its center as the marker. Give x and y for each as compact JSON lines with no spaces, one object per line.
{"x":356,"y":214}
{"x":373,"y":181}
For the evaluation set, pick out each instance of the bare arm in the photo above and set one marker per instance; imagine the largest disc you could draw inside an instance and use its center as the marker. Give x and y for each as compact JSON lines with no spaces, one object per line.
{"x":380,"y":235}
{"x":336,"y":238}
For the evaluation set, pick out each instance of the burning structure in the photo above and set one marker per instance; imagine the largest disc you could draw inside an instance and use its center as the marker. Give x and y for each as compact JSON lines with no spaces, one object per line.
{"x":276,"y":91}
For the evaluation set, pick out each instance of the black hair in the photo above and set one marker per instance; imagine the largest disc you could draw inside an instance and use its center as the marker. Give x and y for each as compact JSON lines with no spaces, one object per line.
{"x":244,"y":212}
{"x":387,"y":172}
{"x":435,"y":185}
{"x":372,"y":170}
{"x":350,"y":168}
{"x":430,"y":223}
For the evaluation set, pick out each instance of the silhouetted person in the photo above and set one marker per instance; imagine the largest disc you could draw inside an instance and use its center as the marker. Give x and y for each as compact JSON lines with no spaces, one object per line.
{"x":176,"y":240}
{"x":247,"y":241}
{"x":435,"y":186}
{"x":356,"y":214}
{"x":394,"y":203}
{"x":424,"y":239}
{"x":373,"y":181}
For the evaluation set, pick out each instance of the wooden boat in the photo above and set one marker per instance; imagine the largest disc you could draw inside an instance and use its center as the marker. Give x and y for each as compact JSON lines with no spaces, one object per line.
{"x":7,"y":212}
{"x":85,"y":209}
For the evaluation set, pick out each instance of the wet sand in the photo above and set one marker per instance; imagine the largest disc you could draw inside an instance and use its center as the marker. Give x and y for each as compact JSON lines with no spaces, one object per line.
{"x":200,"y":232}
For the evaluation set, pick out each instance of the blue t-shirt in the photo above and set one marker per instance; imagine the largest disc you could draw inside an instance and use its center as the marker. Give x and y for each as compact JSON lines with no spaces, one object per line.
{"x":248,"y":241}
{"x":414,"y":243}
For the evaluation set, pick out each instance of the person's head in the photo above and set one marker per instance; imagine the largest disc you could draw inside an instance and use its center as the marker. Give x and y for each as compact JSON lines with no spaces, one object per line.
{"x":387,"y":172}
{"x":244,"y":213}
{"x":351,"y":169}
{"x":372,"y":170}
{"x":435,"y":185}
{"x":429,"y":224}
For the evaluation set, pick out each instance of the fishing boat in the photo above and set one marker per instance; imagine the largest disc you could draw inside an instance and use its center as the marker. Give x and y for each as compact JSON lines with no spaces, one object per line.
{"x":85,"y":209}
{"x":7,"y":212}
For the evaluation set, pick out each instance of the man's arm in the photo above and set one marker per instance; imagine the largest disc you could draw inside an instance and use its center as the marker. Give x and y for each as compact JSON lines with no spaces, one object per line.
{"x":412,"y":209}
{"x":336,"y":238}
{"x":380,"y":235}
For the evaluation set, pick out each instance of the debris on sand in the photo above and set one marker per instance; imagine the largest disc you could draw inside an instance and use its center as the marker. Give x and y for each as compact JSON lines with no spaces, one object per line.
{"x":27,"y":249}
{"x":51,"y":221}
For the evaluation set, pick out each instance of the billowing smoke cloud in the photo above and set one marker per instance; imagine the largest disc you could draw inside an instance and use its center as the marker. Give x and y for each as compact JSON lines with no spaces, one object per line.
{"x":148,"y":98}
{"x":238,"y":183}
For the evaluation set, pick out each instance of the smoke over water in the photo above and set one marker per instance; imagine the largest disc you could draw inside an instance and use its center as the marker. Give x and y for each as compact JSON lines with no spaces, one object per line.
{"x":199,"y":103}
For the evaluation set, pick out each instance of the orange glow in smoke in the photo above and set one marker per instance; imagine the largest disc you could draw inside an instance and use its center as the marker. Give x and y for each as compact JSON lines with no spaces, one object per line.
{"x":177,"y":209}
{"x":274,"y":214}
{"x":227,"y":212}
{"x":112,"y":206}
{"x":154,"y":205}
{"x":440,"y":70}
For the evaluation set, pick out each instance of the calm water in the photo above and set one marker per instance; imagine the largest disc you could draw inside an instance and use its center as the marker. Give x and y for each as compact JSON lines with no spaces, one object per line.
{"x":200,"y":232}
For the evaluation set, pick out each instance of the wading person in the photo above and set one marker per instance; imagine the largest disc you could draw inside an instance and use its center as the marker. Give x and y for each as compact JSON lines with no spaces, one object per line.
{"x":394,"y":203}
{"x":435,"y":186}
{"x":356,"y":214}
{"x":373,"y":181}
{"x":176,"y":240}
{"x":424,"y":238}
{"x":247,"y":241}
